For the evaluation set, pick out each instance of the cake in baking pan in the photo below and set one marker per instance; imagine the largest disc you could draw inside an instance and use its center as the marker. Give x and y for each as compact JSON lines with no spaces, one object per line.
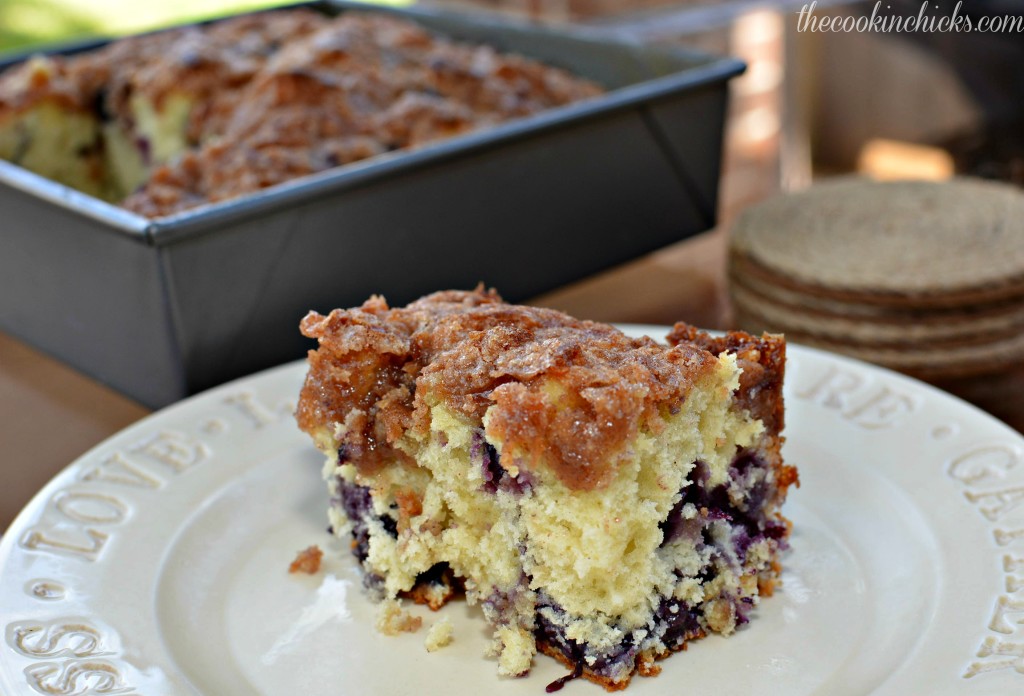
{"x":164,"y":122}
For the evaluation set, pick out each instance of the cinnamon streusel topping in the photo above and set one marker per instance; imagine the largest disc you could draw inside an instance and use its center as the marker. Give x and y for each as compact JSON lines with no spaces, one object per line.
{"x":558,"y":392}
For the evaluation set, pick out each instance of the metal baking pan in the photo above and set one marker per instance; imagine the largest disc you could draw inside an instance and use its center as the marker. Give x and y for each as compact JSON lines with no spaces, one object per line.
{"x":160,"y":309}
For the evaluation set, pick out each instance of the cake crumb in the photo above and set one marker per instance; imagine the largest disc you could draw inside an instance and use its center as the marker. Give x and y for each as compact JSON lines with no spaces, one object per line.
{"x":439,"y":635}
{"x":515,"y":648}
{"x":721,"y":616}
{"x":392,"y":619}
{"x":307,"y":561}
{"x":645,"y":665}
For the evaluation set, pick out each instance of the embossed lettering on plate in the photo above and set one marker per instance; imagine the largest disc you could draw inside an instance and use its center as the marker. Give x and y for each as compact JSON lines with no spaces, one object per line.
{"x":993,"y":482}
{"x":47,"y":590}
{"x":214,"y":426}
{"x":116,"y":468}
{"x":258,"y":413}
{"x":983,"y":463}
{"x":857,"y":401}
{"x":87,"y":507}
{"x":1005,"y":537}
{"x":68,"y":541}
{"x":55,"y":639}
{"x":76,"y":678}
{"x":173,"y":450}
{"x":71,"y":656}
{"x":992,"y":647}
{"x":1006,"y":607}
{"x":998,"y":503}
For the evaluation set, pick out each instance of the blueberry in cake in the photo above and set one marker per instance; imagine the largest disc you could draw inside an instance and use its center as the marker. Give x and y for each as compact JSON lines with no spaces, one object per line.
{"x":604,"y":499}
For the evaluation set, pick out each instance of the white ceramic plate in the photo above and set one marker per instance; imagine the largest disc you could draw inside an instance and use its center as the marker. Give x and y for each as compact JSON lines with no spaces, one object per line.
{"x":156,"y":563}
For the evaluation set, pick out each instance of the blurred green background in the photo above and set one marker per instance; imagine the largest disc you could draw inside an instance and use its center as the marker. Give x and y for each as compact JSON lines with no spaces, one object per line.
{"x":25,"y":24}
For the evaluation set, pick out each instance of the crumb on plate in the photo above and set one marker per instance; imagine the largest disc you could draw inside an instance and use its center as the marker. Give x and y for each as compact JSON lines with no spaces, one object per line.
{"x":439,"y":635}
{"x":393,"y":619}
{"x":307,"y":561}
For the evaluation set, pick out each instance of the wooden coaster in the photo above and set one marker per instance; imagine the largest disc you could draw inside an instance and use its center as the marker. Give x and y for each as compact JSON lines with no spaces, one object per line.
{"x":910,"y":244}
{"x":884,"y":326}
{"x":929,"y":362}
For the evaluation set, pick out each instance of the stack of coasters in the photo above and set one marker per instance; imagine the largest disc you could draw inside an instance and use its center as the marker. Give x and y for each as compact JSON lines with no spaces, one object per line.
{"x":923,"y":277}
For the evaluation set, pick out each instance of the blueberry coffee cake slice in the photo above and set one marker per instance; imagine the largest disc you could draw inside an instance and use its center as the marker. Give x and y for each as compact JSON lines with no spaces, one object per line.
{"x":604,"y":499}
